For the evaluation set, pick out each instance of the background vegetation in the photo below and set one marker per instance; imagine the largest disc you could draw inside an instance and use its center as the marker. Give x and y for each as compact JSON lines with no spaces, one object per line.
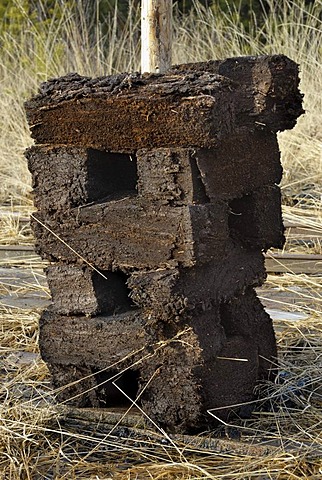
{"x":50,"y":38}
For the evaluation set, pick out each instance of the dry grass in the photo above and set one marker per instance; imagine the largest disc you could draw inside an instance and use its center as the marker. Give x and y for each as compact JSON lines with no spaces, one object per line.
{"x":14,"y":228}
{"x":40,"y":439}
{"x":65,"y":44}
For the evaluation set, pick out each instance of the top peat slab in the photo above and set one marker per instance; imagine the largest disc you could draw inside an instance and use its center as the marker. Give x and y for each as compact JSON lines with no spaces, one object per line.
{"x":192,"y":105}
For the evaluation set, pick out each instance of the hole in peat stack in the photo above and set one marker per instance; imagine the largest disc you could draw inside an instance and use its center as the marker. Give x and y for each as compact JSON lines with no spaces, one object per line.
{"x":241,"y":219}
{"x":111,"y":174}
{"x":228,"y":323}
{"x":110,"y":396}
{"x":112,"y":292}
{"x":198,"y":185}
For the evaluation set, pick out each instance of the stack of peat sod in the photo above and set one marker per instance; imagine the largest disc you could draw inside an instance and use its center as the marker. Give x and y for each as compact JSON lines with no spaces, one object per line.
{"x":156,"y":197}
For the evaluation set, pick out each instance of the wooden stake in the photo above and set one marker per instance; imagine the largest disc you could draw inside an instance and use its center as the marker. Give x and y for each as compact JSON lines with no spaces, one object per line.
{"x":156,"y":19}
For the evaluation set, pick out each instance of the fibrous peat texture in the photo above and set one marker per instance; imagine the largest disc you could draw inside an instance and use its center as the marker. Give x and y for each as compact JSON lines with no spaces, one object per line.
{"x":156,"y":197}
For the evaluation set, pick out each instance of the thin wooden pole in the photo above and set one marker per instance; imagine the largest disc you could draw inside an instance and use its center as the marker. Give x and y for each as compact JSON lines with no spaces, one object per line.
{"x":156,"y":41}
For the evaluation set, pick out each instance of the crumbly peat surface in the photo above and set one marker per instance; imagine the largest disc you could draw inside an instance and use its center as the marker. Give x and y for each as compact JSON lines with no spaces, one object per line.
{"x":166,"y":220}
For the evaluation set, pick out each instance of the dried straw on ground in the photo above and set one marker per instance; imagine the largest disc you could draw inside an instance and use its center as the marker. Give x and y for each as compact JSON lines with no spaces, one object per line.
{"x":41,"y":439}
